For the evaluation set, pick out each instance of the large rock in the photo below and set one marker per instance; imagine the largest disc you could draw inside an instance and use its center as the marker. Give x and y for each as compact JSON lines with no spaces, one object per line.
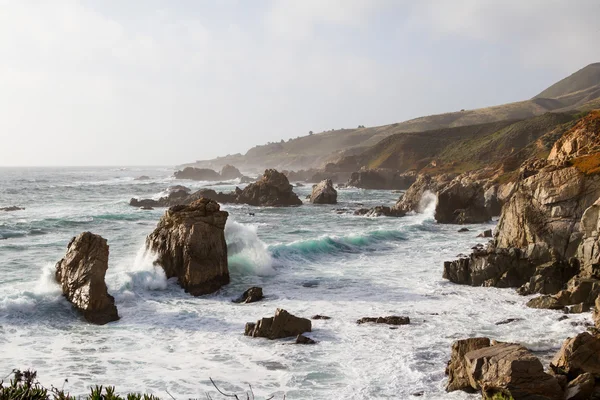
{"x":512,"y":371}
{"x":230,"y":172}
{"x":189,"y":242}
{"x":282,"y":325}
{"x":577,"y":356}
{"x":423,"y":192}
{"x":381,"y":179}
{"x":458,"y":378}
{"x":581,"y":388}
{"x":81,"y":275}
{"x":462,"y":202}
{"x":198,"y":174}
{"x":324,"y":193}
{"x":273,"y":189}
{"x":582,"y":139}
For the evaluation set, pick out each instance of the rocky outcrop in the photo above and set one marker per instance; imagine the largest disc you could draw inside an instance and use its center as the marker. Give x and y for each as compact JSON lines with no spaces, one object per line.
{"x":198,"y":174}
{"x":229,"y":172}
{"x":458,"y":378}
{"x":251,"y":295}
{"x":189,"y":242}
{"x":11,"y":208}
{"x":183,"y":197}
{"x":423,"y":192}
{"x":381,"y":179}
{"x":390,"y":320}
{"x":81,"y":275}
{"x":282,"y":325}
{"x":273,"y":189}
{"x":324,"y":193}
{"x":462,"y":202}
{"x":380,"y":211}
{"x":578,"y":355}
{"x":582,"y":139}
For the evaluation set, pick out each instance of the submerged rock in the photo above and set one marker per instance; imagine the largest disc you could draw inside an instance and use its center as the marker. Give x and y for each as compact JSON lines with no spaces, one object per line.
{"x":251,"y":295}
{"x":11,"y":208}
{"x":273,"y":189}
{"x":81,"y":275}
{"x":189,"y":242}
{"x":390,"y":320}
{"x":324,"y":193}
{"x":282,"y":325}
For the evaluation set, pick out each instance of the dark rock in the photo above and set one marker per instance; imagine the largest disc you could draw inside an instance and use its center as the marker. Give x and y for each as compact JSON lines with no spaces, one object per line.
{"x":318,"y":316}
{"x":301,"y":339}
{"x":81,"y":275}
{"x":198,"y":174}
{"x":282,"y":325}
{"x":324,"y":193}
{"x":577,"y":356}
{"x":146,"y":208}
{"x":390,"y":320}
{"x":11,"y":208}
{"x":230,"y":172}
{"x":549,"y":278}
{"x":461,"y":203}
{"x":461,"y":230}
{"x":190,"y":244}
{"x":380,"y":211}
{"x":273,"y":189}
{"x":581,"y":388}
{"x":421,"y":193}
{"x":386,"y":179}
{"x":142,"y":178}
{"x":251,"y":295}
{"x":508,"y":321}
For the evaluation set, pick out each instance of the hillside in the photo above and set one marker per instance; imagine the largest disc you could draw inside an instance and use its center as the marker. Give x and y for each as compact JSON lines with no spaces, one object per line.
{"x":579,"y":91}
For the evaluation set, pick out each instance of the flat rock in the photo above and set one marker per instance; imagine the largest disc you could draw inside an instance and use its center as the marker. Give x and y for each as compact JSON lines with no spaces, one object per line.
{"x":390,"y":320}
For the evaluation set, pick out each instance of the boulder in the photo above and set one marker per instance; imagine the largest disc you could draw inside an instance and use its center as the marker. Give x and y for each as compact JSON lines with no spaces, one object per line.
{"x":273,"y":189}
{"x":189,"y":243}
{"x":511,"y":371}
{"x":251,"y":295}
{"x":198,"y":174}
{"x":581,"y":388}
{"x":578,"y":355}
{"x":390,"y":320}
{"x":81,"y":276}
{"x":282,"y":325}
{"x":380,"y":211}
{"x":324,"y":193}
{"x":11,"y":208}
{"x":456,"y":369}
{"x":381,"y":178}
{"x":485,"y":234}
{"x":301,"y":339}
{"x":230,"y":172}
{"x":461,"y":202}
{"x":423,"y":192}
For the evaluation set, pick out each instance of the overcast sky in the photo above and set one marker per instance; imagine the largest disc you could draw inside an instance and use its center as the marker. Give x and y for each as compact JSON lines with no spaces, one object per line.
{"x":149,"y":82}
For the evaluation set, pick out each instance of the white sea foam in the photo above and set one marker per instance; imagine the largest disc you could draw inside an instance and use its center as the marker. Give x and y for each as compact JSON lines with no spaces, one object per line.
{"x":247,"y":253}
{"x":143,"y":273}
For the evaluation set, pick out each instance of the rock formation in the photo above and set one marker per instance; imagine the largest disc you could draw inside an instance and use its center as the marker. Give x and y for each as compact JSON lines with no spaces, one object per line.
{"x":273,"y":189}
{"x":282,"y":325}
{"x":198,"y":174}
{"x":581,"y":140}
{"x":189,"y":242}
{"x":578,"y":355}
{"x":381,"y":179}
{"x":230,"y":172}
{"x":81,"y":275}
{"x":11,"y":208}
{"x":183,"y":197}
{"x":142,"y":178}
{"x":380,"y":211}
{"x":458,"y":379}
{"x":324,"y":193}
{"x":251,"y":295}
{"x":461,"y":202}
{"x":416,"y":199}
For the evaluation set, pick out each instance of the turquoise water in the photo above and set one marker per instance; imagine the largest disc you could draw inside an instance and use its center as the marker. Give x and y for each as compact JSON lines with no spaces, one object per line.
{"x":308,"y":259}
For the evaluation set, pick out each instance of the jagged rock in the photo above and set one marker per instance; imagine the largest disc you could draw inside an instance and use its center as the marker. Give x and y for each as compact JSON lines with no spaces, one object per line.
{"x":485,"y":234}
{"x":492,"y":201}
{"x":589,"y":250}
{"x":390,"y":320}
{"x":282,"y":325}
{"x":381,"y":178}
{"x":581,"y":292}
{"x":457,"y":374}
{"x":512,"y":371}
{"x":81,"y":275}
{"x":461,"y":202}
{"x":380,"y":211}
{"x":495,"y":267}
{"x":273,"y":189}
{"x":549,"y":278}
{"x":580,"y":388}
{"x":416,"y":197}
{"x":324,"y":193}
{"x":190,"y":244}
{"x":198,"y":174}
{"x":230,"y":172}
{"x":251,"y":295}
{"x":577,"y":356}
{"x":318,"y":316}
{"x":142,"y":178}
{"x":582,"y":139}
{"x":11,"y":208}
{"x":301,"y":339}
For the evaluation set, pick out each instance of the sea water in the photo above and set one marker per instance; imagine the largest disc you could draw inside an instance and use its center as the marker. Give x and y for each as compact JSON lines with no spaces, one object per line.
{"x":312,"y":259}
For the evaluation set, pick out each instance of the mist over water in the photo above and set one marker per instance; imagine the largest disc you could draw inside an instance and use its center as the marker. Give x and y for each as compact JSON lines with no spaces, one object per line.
{"x":308,"y":260}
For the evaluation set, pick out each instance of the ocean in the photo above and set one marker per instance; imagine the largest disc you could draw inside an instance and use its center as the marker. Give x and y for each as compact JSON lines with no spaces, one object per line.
{"x":309,"y":260}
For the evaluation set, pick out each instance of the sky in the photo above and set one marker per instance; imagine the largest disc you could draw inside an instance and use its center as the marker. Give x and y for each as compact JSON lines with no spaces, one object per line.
{"x":164,"y":82}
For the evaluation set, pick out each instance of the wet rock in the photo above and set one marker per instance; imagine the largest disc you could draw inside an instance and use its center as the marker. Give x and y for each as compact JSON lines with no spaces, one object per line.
{"x":318,"y":316}
{"x":380,"y":211}
{"x":301,"y":339}
{"x":580,"y":388}
{"x":142,"y":178}
{"x":485,"y":234}
{"x":461,"y":202}
{"x":508,"y":321}
{"x":390,"y":320}
{"x":189,"y":242}
{"x":324,"y":193}
{"x":11,"y":208}
{"x":549,"y":278}
{"x":81,"y":276}
{"x":273,"y":189}
{"x":510,"y":370}
{"x":181,"y":196}
{"x":282,"y":325}
{"x":423,"y":192}
{"x":577,"y":356}
{"x":461,"y":230}
{"x":230,"y":172}
{"x":198,"y":174}
{"x":456,"y":369}
{"x":251,"y":295}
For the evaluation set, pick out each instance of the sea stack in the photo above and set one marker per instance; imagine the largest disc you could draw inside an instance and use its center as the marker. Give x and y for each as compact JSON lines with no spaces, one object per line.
{"x":272,"y":190}
{"x":324,"y":193}
{"x":81,"y":275}
{"x":189,"y":242}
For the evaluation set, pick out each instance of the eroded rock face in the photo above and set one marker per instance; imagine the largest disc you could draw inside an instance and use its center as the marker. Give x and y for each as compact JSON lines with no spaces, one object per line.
{"x":384,"y":179}
{"x":462,"y":202}
{"x":423,"y":192}
{"x":273,"y":189}
{"x":577,"y":356}
{"x":81,"y":275}
{"x":582,"y":139}
{"x":230,"y":172}
{"x":189,"y":242}
{"x":458,"y":378}
{"x":282,"y":325}
{"x":511,"y":370}
{"x":198,"y":174}
{"x":324,"y":193}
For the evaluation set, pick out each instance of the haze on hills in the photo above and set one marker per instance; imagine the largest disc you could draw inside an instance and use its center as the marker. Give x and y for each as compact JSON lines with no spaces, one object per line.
{"x":148,"y":82}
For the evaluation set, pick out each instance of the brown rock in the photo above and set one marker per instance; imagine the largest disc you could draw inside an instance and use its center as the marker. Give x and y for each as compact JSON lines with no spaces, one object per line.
{"x":301,"y":339}
{"x":581,"y":140}
{"x":416,"y":197}
{"x":597,"y":312}
{"x":324,"y":193}
{"x":580,"y":388}
{"x":282,"y":325}
{"x":577,"y":356}
{"x":230,"y":172}
{"x":81,"y":275}
{"x":272,"y":190}
{"x":390,"y":320}
{"x":190,"y":244}
{"x":251,"y":295}
{"x":457,"y":374}
{"x":461,"y":202}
